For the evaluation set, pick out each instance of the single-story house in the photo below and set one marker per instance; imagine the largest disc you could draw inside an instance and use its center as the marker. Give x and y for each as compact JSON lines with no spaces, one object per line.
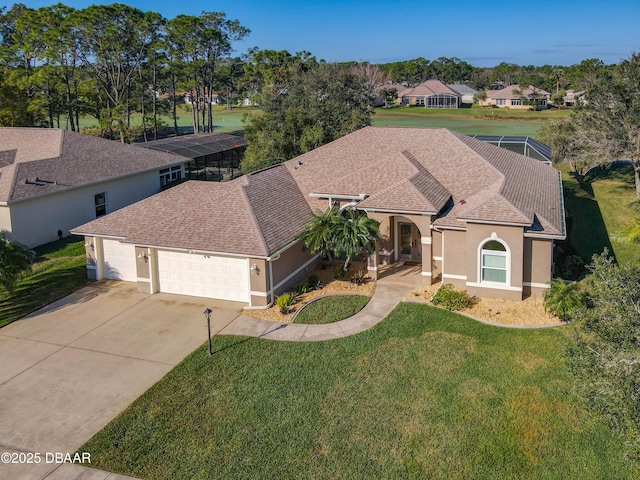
{"x":52,"y":180}
{"x":465,"y":91}
{"x":430,"y":94}
{"x":470,"y":213}
{"x":514,"y":96}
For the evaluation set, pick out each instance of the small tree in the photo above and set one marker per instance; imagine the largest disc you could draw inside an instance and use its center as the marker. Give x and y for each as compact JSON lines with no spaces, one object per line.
{"x":15,"y":260}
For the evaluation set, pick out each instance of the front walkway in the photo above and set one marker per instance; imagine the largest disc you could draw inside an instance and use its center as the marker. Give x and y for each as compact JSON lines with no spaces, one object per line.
{"x":390,"y":290}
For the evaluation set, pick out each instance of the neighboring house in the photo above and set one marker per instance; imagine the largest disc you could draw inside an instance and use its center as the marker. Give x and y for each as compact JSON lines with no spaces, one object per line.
{"x":470,"y":213}
{"x":52,"y":180}
{"x":465,"y":91}
{"x":430,"y":94}
{"x":572,"y":97}
{"x":516,"y":97}
{"x":388,"y":93}
{"x":213,"y":156}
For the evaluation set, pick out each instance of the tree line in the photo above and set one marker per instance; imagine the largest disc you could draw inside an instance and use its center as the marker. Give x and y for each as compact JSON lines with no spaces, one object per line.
{"x":58,"y":64}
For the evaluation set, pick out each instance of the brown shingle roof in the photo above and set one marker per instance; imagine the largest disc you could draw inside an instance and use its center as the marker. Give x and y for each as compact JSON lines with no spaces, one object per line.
{"x":413,"y":170}
{"x":60,"y":159}
{"x":508,"y":92}
{"x":252,"y":215}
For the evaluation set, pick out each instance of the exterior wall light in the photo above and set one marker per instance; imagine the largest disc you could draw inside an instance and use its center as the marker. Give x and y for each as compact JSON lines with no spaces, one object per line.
{"x":255,"y":269}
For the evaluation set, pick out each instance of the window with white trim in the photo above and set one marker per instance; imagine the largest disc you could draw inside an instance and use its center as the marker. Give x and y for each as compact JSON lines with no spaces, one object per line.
{"x":493,"y":258}
{"x":168,"y":175}
{"x":100,"y":202}
{"x":501,"y":101}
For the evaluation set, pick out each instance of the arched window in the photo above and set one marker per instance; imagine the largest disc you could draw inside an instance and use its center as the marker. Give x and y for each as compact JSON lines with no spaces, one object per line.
{"x":493,"y":262}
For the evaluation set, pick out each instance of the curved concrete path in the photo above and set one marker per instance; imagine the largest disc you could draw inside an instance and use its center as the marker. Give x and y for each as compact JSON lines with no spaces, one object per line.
{"x":385,"y":298}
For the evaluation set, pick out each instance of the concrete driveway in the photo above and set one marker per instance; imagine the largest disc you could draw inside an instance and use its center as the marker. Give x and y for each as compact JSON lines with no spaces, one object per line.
{"x":71,"y":367}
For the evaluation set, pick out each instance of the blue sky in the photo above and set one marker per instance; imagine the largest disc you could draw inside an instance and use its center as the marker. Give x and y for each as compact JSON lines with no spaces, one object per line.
{"x":484,"y":34}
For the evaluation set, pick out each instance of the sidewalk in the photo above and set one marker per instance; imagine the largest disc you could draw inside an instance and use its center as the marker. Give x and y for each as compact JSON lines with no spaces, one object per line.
{"x":385,"y":298}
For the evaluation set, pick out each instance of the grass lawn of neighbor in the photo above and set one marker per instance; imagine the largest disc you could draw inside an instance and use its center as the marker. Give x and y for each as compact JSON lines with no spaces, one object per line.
{"x":601,"y":209}
{"x":426,"y":393}
{"x":224,"y":121}
{"x":60,"y":269}
{"x":469,"y":121}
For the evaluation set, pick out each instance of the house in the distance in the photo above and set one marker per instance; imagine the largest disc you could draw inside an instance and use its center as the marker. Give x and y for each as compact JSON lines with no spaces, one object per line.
{"x":517,"y":97}
{"x":465,"y":91}
{"x":469,"y":213}
{"x":430,"y":94}
{"x":52,"y":180}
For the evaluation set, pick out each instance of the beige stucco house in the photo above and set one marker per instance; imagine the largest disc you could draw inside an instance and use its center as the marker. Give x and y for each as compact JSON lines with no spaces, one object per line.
{"x":430,"y":94}
{"x":516,"y":97}
{"x":52,"y":180}
{"x":470,"y":213}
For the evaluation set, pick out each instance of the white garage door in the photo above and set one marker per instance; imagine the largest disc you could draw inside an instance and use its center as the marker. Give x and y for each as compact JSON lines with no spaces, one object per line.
{"x":204,"y":276}
{"x":119,"y":260}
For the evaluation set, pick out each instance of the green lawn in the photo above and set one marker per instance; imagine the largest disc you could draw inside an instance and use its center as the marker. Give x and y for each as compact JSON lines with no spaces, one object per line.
{"x":469,"y":121}
{"x":332,"y":309}
{"x":424,"y":394}
{"x":599,"y":210}
{"x":224,"y":121}
{"x":59,"y":270}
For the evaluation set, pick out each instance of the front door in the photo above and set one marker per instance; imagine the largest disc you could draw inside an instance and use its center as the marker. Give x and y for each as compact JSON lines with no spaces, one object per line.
{"x":409,"y":246}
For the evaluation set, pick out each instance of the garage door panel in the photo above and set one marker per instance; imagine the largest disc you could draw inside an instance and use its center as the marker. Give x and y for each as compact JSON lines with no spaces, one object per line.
{"x":203,"y":276}
{"x":119,"y":261}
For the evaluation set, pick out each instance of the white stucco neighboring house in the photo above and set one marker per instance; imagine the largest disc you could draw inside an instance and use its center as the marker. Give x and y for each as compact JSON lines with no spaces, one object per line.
{"x":52,"y":180}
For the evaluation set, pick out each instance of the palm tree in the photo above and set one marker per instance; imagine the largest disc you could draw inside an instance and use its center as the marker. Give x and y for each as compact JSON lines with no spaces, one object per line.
{"x":319,"y":234}
{"x":560,"y":298}
{"x":631,"y":233}
{"x":15,"y":259}
{"x":356,"y":232}
{"x":348,"y":232}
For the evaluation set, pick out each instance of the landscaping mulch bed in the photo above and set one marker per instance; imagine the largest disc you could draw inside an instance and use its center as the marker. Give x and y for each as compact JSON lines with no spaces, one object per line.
{"x":529,"y":312}
{"x":331,"y":287}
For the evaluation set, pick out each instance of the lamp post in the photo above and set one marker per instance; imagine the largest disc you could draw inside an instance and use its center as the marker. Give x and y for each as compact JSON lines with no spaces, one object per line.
{"x":207,"y":313}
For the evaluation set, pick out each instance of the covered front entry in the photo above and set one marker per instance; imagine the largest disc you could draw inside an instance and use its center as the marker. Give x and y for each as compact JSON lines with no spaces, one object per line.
{"x":409,"y":247}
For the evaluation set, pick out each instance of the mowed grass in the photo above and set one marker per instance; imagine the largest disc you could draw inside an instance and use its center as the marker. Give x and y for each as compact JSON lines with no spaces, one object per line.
{"x":60,"y":269}
{"x":601,"y":209}
{"x":331,"y":309}
{"x":469,"y":121}
{"x":224,"y":121}
{"x":424,"y":394}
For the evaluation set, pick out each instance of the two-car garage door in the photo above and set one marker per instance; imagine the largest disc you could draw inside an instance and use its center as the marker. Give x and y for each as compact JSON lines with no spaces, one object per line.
{"x":207,"y":276}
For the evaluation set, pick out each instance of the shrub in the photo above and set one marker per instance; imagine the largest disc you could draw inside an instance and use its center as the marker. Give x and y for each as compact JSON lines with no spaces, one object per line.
{"x":561,"y":298}
{"x":339,"y":273}
{"x":358,"y":278}
{"x":284,"y":302}
{"x":450,"y":298}
{"x":313,"y":283}
{"x":301,"y":289}
{"x":572,"y":267}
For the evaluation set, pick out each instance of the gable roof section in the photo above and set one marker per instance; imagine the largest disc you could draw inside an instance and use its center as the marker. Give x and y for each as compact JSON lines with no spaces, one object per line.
{"x":52,"y":160}
{"x":420,"y":193}
{"x":278,"y":205}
